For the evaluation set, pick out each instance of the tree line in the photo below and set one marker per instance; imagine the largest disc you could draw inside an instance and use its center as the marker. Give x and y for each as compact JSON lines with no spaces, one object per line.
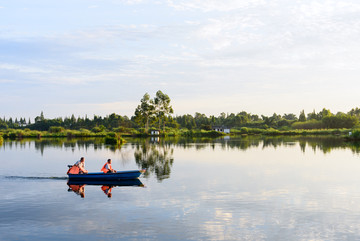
{"x":321,"y":120}
{"x":157,"y":113}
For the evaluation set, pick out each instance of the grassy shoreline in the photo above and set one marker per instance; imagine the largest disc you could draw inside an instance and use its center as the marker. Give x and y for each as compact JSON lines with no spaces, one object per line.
{"x":18,"y":134}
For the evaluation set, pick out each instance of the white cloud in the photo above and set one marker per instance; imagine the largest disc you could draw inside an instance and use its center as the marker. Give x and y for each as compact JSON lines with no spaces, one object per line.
{"x":282,"y":34}
{"x":230,"y":31}
{"x":132,"y":2}
{"x":214,"y":5}
{"x":245,"y":45}
{"x":6,"y":81}
{"x":95,"y":108}
{"x":23,"y":69}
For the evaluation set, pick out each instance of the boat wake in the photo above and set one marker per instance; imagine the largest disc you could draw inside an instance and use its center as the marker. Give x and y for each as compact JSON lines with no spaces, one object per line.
{"x":36,"y":178}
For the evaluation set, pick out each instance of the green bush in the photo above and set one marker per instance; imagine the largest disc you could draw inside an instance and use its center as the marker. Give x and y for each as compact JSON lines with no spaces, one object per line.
{"x":96,"y":129}
{"x":120,"y":129}
{"x":84,"y":133}
{"x":12,"y":135}
{"x":271,"y":131}
{"x":70,"y":133}
{"x":56,"y":129}
{"x":36,"y":134}
{"x":244,"y":130}
{"x":256,"y":131}
{"x":308,"y":125}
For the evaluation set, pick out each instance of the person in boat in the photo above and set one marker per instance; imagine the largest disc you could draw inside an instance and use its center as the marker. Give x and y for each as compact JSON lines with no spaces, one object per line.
{"x":81,"y":165}
{"x":78,"y":167}
{"x":107,"y":167}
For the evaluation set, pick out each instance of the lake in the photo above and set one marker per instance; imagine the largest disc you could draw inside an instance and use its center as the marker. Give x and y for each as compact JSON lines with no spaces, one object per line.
{"x":250,"y":188}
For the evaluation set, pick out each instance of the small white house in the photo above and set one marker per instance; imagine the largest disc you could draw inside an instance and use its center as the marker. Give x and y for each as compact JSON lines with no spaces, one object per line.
{"x":154,"y":132}
{"x":223,"y":129}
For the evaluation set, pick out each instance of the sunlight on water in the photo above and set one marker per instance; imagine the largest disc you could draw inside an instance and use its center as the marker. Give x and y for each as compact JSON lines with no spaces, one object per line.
{"x":232,"y":189}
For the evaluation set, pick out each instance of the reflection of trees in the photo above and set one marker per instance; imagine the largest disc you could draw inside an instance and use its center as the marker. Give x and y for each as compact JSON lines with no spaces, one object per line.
{"x":68,"y":143}
{"x":354,"y":146}
{"x":323,"y":144}
{"x":315,"y":143}
{"x":155,"y":158}
{"x":60,"y":143}
{"x":157,"y":155}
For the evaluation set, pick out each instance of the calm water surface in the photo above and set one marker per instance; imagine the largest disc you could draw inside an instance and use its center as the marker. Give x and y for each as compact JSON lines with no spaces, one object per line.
{"x":223,"y":189}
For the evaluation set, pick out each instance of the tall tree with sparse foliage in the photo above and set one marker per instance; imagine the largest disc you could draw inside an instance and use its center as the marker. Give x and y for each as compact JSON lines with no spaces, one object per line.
{"x":145,"y":111}
{"x":163,"y":109}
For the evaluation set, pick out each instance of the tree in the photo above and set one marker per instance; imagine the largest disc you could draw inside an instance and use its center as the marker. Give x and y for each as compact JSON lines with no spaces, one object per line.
{"x":145,"y":111}
{"x":163,"y":109}
{"x":290,"y":117}
{"x":254,"y":118}
{"x":340,"y":120}
{"x":72,"y":120}
{"x":312,"y":116}
{"x":201,"y":120}
{"x":40,"y":118}
{"x":186,"y":121}
{"x":354,"y":112}
{"x":302,"y":116}
{"x":324,"y":113}
{"x":3,"y":124}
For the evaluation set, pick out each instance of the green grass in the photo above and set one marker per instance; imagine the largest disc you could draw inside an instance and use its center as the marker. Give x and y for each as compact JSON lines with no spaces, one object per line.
{"x":130,"y":132}
{"x":275,"y":132}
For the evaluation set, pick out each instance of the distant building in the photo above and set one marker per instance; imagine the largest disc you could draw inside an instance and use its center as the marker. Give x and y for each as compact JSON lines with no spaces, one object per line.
{"x":223,"y":129}
{"x":154,"y":132}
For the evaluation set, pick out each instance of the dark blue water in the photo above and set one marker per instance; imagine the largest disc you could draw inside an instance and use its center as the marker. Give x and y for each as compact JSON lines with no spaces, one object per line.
{"x":237,"y":189}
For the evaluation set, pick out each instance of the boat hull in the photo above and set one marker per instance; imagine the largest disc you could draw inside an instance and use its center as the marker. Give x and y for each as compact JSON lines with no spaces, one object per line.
{"x":120,"y":175}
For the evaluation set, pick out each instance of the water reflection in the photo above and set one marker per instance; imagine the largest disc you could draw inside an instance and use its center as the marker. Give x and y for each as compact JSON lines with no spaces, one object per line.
{"x":255,"y":188}
{"x":78,"y":187}
{"x":150,"y":152}
{"x":60,"y":143}
{"x":155,"y":156}
{"x":324,"y":144}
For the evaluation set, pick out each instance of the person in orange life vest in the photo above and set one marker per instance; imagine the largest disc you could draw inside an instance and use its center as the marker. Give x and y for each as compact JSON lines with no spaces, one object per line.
{"x":81,"y":165}
{"x":78,"y":167}
{"x":107,"y":167}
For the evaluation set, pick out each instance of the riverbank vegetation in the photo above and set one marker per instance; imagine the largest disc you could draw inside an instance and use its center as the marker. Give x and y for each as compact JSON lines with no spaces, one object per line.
{"x":154,"y":116}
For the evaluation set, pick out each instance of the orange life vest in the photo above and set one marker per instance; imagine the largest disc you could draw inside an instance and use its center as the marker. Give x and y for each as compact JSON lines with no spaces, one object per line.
{"x":104,"y":169}
{"x":73,"y":170}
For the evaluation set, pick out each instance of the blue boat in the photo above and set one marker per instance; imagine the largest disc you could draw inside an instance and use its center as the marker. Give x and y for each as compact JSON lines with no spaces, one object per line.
{"x":120,"y":175}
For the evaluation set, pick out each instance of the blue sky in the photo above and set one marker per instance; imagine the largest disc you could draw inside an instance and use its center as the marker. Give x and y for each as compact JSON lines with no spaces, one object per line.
{"x":101,"y":56}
